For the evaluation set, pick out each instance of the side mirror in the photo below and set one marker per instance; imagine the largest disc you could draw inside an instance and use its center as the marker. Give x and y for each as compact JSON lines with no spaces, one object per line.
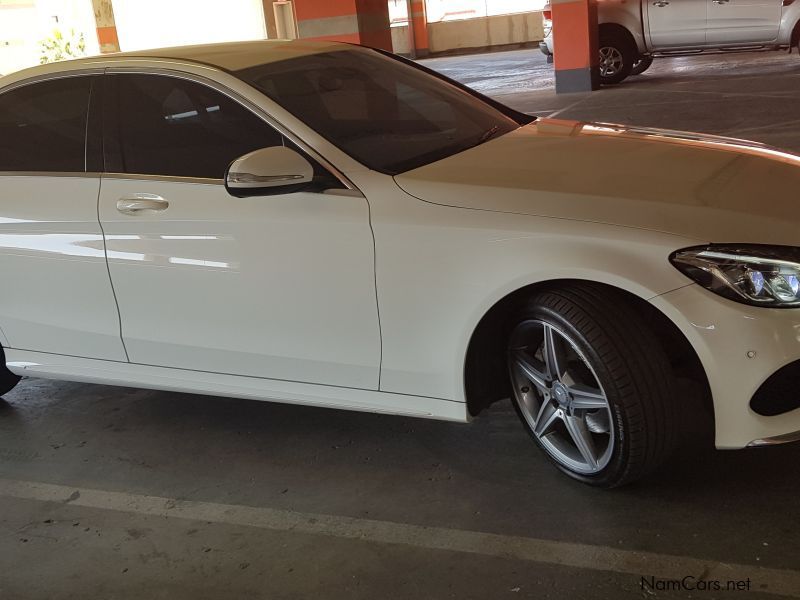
{"x":267,"y":172}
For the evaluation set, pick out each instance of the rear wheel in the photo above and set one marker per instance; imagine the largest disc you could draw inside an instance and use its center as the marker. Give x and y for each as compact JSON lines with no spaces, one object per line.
{"x":616,"y":57}
{"x":7,"y":379}
{"x":641,"y":65}
{"x":591,"y":385}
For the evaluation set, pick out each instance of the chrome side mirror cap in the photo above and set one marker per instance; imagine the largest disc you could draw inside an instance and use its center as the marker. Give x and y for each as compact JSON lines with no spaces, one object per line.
{"x":268,"y":172}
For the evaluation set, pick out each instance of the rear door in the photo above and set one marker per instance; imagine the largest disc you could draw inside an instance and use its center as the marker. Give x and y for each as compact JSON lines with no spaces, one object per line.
{"x":676,"y":23}
{"x":732,"y":22}
{"x":56,"y":295}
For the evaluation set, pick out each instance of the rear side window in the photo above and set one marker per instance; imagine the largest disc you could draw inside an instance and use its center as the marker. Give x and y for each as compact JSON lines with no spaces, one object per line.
{"x":43,"y":126}
{"x":162,"y":125}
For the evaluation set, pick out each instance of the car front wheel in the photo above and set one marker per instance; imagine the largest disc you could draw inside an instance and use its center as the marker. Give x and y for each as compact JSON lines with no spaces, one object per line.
{"x":591,"y":386}
{"x":616,"y":58}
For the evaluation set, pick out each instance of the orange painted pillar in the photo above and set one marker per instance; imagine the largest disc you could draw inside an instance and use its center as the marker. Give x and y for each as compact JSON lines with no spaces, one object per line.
{"x":358,"y":21}
{"x":418,"y":19}
{"x":106,"y":26}
{"x":575,"y":47}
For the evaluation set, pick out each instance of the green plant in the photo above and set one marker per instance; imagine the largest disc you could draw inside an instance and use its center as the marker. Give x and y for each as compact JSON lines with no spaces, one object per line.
{"x":62,"y":47}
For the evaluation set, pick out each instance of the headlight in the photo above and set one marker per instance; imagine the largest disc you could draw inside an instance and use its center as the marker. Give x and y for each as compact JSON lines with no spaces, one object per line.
{"x":752,"y":274}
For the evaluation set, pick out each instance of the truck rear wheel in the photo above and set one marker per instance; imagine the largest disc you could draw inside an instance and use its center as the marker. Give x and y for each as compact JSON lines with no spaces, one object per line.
{"x":641,"y":65}
{"x":7,"y":379}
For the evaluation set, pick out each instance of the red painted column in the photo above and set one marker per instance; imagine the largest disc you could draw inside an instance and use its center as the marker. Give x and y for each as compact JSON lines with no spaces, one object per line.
{"x":418,"y":18}
{"x":575,"y":47}
{"x":358,"y":21}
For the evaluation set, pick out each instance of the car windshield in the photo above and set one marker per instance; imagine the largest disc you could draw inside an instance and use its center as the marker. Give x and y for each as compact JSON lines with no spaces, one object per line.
{"x":389,"y":115}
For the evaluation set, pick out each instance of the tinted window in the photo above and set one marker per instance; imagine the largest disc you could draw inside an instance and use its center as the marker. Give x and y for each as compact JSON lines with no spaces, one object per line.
{"x":43,"y":126}
{"x":385,"y":113}
{"x":169,"y":126}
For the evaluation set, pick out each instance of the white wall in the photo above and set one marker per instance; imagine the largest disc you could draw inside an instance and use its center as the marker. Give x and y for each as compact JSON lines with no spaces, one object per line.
{"x":485,"y":32}
{"x":453,"y":10}
{"x":145,"y":24}
{"x":24,"y":23}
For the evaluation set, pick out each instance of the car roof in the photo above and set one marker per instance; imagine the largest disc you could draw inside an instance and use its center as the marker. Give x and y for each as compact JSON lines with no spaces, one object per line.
{"x":230,"y":56}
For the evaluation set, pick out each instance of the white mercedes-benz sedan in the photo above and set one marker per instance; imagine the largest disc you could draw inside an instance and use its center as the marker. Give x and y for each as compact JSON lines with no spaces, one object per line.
{"x":326,"y":224}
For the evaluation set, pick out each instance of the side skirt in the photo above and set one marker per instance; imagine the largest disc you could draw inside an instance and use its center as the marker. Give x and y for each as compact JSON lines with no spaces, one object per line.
{"x":87,"y":370}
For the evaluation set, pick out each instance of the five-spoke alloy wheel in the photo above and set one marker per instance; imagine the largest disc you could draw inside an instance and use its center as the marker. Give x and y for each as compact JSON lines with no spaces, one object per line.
{"x":591,"y":383}
{"x":560,"y":397}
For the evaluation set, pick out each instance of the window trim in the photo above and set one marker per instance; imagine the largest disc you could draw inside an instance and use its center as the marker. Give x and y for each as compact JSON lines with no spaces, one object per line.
{"x":43,"y":78}
{"x":257,"y":111}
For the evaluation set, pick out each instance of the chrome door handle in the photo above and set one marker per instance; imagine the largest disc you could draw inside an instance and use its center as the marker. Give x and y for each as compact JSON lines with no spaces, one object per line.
{"x":661,"y":3}
{"x":138,"y":204}
{"x":720,"y":1}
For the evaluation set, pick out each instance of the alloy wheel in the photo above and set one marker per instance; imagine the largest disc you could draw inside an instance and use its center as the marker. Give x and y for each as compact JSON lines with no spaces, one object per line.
{"x":611,"y":61}
{"x":560,"y":397}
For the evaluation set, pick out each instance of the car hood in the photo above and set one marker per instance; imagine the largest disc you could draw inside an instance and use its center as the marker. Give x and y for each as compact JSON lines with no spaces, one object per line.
{"x":709,"y":188}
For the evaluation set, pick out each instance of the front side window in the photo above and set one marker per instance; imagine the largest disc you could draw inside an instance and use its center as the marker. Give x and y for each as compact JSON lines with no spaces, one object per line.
{"x":388,"y":115}
{"x":43,"y":126}
{"x":163,"y":125}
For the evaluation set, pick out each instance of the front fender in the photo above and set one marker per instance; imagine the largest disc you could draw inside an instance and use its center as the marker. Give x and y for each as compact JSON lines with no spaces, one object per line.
{"x":625,"y":13}
{"x":438,"y":274}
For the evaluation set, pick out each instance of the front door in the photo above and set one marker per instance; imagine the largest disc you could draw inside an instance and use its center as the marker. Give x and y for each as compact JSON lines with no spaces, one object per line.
{"x":743,"y":21}
{"x":676,"y":23}
{"x":278,"y":287}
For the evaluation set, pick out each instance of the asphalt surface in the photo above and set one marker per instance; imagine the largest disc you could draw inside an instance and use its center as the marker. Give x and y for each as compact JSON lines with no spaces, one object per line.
{"x":161,"y":495}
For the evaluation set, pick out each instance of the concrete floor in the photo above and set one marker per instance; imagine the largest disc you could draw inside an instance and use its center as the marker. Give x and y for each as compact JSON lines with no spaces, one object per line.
{"x":746,"y":95}
{"x":120,"y":493}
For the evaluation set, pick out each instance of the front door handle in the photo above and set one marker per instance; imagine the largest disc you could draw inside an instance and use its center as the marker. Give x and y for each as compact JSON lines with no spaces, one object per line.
{"x":720,"y":1}
{"x":141,"y":204}
{"x":661,"y":3}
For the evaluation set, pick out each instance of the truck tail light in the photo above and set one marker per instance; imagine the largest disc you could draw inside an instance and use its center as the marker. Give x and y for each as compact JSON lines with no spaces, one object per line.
{"x":548,"y":14}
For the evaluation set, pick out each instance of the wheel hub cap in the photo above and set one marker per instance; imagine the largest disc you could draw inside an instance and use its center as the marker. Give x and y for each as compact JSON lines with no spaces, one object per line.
{"x":561,"y":394}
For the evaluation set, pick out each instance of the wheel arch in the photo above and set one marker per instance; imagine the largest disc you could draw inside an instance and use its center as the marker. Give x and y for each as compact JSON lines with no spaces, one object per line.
{"x":617,"y":30}
{"x":485,"y":370}
{"x":794,"y":40}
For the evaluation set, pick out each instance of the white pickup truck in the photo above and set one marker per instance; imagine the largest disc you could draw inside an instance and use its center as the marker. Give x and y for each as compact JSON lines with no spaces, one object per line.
{"x":632,"y":32}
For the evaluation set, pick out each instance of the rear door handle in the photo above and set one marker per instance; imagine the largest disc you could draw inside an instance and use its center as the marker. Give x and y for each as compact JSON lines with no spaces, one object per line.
{"x":141,"y":204}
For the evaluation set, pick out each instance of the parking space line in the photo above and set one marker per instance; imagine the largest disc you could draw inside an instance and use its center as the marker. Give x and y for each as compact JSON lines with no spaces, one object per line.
{"x":581,"y":556}
{"x":568,"y":107}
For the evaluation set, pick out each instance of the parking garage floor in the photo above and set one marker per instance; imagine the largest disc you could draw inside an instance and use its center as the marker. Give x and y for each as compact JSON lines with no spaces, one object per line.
{"x":750,"y":95}
{"x":119,"y":493}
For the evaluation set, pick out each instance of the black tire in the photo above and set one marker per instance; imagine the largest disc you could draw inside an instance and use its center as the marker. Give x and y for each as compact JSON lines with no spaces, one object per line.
{"x":629,"y":366}
{"x":8,"y":380}
{"x":641,"y":65}
{"x":618,"y":45}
